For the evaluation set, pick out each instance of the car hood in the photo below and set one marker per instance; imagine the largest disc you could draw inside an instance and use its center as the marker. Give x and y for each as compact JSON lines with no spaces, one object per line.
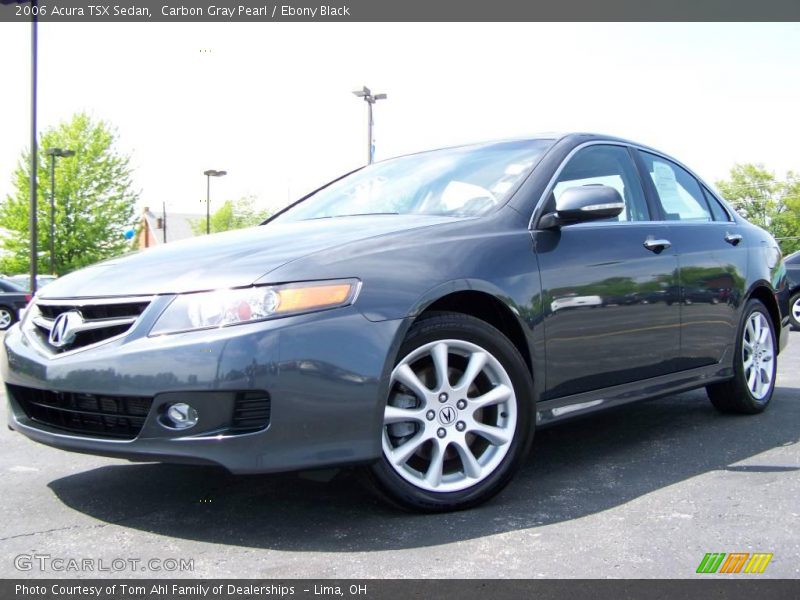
{"x":230,"y":259}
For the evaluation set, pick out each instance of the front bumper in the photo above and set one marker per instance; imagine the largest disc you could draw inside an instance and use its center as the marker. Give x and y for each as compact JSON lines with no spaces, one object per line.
{"x":325,"y":373}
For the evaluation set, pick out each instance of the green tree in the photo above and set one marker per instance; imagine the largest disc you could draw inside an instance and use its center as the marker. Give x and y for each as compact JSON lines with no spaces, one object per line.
{"x":94,"y":200}
{"x":787,"y":223}
{"x":233,"y":214}
{"x":753,"y":192}
{"x":770,"y":203}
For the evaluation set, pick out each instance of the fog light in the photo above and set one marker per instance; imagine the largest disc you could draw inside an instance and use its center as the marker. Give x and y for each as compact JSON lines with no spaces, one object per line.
{"x":181,"y":416}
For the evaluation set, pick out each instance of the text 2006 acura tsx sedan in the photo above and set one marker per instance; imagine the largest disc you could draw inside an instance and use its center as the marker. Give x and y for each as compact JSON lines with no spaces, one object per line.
{"x":421,"y":316}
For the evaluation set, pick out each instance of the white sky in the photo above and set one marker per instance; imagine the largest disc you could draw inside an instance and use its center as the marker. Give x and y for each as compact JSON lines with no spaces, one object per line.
{"x":271,"y":102}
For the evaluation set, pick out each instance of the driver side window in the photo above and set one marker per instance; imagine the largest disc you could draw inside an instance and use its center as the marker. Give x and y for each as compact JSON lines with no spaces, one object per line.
{"x":606,"y":165}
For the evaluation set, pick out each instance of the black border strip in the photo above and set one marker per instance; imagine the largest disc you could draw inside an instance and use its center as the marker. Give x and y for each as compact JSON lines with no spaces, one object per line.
{"x":705,"y":587}
{"x":403,"y":10}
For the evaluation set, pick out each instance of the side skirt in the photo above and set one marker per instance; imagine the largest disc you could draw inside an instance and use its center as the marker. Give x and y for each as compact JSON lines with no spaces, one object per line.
{"x":557,"y":410}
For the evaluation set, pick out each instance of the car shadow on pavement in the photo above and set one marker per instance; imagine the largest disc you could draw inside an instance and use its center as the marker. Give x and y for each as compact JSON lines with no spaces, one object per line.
{"x":576,"y":469}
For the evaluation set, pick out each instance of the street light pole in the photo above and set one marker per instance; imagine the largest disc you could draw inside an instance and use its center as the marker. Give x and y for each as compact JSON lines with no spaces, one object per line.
{"x":54,"y":153}
{"x":370,"y":99}
{"x":34,"y":161}
{"x":209,"y":174}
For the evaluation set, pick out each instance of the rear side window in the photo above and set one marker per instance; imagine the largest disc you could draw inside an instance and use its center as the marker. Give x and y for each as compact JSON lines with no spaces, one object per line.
{"x":719,"y":213}
{"x":7,"y":286}
{"x":606,"y":165}
{"x":678,"y":191}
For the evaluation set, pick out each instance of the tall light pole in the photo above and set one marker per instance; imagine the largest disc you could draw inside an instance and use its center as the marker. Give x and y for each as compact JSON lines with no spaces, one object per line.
{"x":34,"y":160}
{"x":370,"y":99}
{"x":209,"y":174}
{"x":54,"y":153}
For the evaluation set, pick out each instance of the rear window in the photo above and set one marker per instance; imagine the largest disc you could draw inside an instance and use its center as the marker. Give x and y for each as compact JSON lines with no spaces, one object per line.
{"x":718,"y":212}
{"x":8,"y":286}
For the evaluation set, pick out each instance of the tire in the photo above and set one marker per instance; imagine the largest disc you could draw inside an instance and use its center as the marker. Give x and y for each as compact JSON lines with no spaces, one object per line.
{"x":794,"y":310}
{"x":7,"y":317}
{"x":750,"y":390}
{"x":442,"y":451}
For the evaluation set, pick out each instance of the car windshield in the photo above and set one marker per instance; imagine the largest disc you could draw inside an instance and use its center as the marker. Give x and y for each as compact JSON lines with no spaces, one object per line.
{"x":467,"y":181}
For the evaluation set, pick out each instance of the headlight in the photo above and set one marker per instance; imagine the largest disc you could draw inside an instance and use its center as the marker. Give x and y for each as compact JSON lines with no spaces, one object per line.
{"x":221,"y":308}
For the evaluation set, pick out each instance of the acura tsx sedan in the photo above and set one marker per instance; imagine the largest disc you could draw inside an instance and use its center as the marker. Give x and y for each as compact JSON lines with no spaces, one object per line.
{"x":419,"y":318}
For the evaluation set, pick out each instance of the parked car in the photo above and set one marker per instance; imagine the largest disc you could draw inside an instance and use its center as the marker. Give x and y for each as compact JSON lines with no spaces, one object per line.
{"x":12,"y":300}
{"x":24,"y":281}
{"x":407,"y":317}
{"x":793,"y":277}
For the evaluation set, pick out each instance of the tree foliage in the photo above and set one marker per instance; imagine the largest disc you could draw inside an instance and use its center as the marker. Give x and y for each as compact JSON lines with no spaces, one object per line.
{"x":233,"y":214}
{"x":768,"y":202}
{"x":94,"y":200}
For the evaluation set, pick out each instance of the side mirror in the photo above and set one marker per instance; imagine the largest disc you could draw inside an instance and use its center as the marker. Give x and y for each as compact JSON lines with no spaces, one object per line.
{"x":584,"y":203}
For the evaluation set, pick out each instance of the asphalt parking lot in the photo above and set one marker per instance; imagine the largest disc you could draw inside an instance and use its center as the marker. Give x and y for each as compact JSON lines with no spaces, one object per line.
{"x":641,"y":492}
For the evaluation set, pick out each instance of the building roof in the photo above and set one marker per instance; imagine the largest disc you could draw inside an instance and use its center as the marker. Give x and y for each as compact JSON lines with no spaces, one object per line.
{"x":179,"y":225}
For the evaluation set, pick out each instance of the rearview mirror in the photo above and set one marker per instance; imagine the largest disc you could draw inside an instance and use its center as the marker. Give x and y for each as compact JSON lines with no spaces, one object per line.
{"x":584,"y":203}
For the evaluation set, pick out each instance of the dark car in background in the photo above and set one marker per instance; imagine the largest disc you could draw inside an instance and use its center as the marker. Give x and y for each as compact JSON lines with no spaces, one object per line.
{"x":793,"y":282}
{"x":421,"y":317}
{"x":24,"y":281}
{"x":12,"y":300}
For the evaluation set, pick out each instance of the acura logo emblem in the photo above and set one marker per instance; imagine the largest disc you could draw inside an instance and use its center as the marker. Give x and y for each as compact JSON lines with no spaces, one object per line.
{"x":447,"y":415}
{"x":64,"y":328}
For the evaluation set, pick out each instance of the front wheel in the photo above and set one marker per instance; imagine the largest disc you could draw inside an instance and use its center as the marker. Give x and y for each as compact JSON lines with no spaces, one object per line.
{"x":755,"y":365}
{"x":458,"y":419}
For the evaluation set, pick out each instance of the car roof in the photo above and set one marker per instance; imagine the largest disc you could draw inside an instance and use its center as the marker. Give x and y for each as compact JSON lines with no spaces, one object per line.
{"x":576,"y":137}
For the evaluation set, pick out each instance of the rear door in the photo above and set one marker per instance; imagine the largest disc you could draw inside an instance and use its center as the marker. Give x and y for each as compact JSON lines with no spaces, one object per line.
{"x":712,"y":259}
{"x":609,"y":312}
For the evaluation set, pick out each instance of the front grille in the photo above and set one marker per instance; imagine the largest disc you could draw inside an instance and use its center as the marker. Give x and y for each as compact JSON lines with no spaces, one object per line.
{"x":116,"y":417}
{"x":99,"y":320}
{"x":251,"y":412}
{"x":95,"y":311}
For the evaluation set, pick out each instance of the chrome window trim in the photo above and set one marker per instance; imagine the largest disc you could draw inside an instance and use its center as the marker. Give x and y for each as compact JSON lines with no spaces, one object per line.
{"x":600,"y":142}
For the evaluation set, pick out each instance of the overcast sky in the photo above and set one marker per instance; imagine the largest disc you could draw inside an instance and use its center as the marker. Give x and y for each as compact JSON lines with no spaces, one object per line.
{"x":271,"y":102}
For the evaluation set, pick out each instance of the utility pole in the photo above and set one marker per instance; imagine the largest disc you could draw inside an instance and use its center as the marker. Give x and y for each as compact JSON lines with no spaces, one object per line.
{"x":54,"y":153}
{"x":34,"y":162}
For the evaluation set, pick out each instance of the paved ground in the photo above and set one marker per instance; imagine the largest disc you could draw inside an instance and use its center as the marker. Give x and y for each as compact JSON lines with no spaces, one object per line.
{"x":643,"y":492}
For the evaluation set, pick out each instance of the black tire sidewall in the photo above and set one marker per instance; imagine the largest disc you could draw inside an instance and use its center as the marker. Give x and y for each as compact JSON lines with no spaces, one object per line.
{"x":469,"y":329}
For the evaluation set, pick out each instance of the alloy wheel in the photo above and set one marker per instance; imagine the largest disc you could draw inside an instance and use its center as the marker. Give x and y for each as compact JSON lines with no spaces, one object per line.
{"x":5,"y":319}
{"x":758,"y":355}
{"x":451,"y":416}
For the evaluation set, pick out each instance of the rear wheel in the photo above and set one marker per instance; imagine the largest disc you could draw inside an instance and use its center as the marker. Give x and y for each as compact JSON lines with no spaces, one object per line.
{"x":458,"y":420}
{"x":755,"y":365}
{"x":7,"y":318}
{"x":794,"y":310}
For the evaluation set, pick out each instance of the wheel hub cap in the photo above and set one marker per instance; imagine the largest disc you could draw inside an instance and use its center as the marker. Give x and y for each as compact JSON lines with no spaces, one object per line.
{"x":447,"y":416}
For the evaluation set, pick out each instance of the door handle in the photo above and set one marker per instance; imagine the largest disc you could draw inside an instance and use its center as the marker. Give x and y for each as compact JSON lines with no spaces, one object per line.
{"x":733,"y":238}
{"x":657,"y":245}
